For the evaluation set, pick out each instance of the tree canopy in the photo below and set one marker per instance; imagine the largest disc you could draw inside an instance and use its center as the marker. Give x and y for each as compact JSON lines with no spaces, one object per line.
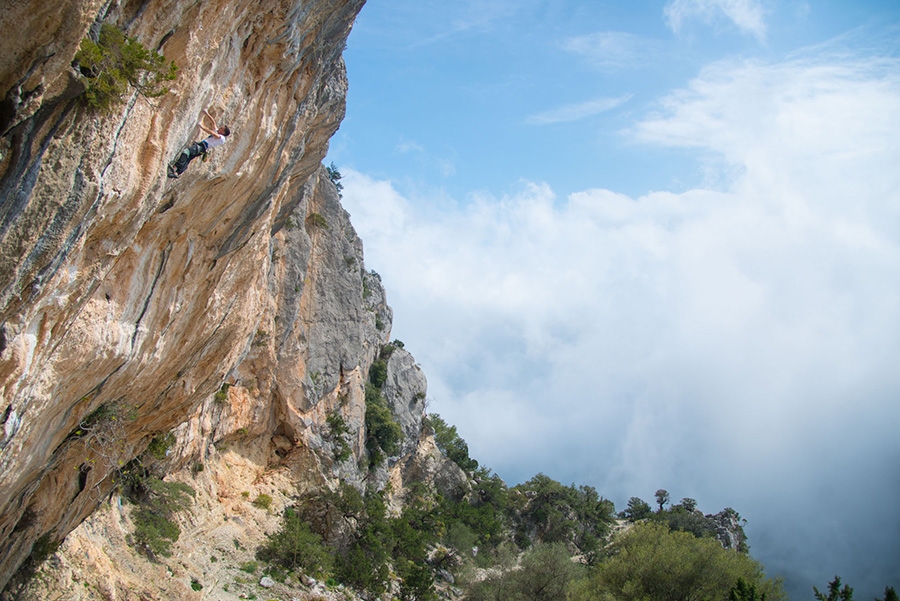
{"x":649,"y":562}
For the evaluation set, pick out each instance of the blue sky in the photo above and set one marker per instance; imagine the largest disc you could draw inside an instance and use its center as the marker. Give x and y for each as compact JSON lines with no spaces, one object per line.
{"x":651,"y":245}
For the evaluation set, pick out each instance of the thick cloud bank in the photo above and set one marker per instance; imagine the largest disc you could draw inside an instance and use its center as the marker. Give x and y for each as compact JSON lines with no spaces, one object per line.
{"x":737,"y":343}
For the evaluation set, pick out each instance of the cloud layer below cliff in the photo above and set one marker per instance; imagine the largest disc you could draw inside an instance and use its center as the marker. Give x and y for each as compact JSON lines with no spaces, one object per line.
{"x":660,"y":253}
{"x":736,"y":344}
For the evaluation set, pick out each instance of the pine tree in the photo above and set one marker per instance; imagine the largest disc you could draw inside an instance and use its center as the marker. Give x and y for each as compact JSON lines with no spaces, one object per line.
{"x":835,"y":592}
{"x":889,"y":594}
{"x":745,"y":592}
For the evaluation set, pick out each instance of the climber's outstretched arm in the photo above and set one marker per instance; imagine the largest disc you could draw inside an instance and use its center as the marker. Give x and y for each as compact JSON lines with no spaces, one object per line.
{"x":215,"y":126}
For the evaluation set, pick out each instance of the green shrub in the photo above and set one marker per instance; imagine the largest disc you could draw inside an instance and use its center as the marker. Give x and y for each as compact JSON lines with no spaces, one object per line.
{"x":451,"y":444}
{"x":359,"y":569}
{"x":105,"y":423}
{"x":277,"y":573}
{"x":263,"y":501}
{"x":160,"y":445}
{"x":250,"y":567}
{"x":890,"y":594}
{"x":382,"y":543}
{"x":222,"y":393}
{"x":106,"y":412}
{"x":545,"y":575}
{"x":638,"y":509}
{"x":678,"y":518}
{"x":480,"y":515}
{"x":378,"y":373}
{"x":317,"y":220}
{"x":416,"y":580}
{"x":158,"y":502}
{"x":388,"y":349}
{"x":115,"y":63}
{"x":551,"y":512}
{"x":153,"y":532}
{"x":742,"y":591}
{"x":383,"y":434}
{"x":43,"y":547}
{"x":651,"y":563}
{"x":335,"y":176}
{"x":195,"y":584}
{"x":337,"y":433}
{"x":295,"y":546}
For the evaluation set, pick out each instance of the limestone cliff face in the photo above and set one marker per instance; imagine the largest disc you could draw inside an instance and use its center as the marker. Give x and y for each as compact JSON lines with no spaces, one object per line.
{"x":127,"y":301}
{"x":265,"y":432}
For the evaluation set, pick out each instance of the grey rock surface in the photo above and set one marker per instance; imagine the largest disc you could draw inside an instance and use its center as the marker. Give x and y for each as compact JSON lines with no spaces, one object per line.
{"x":405,"y":390}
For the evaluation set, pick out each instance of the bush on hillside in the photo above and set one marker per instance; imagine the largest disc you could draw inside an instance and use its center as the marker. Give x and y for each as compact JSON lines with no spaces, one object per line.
{"x":545,"y":575}
{"x":651,"y":563}
{"x":296,"y":546}
{"x":383,"y":434}
{"x":451,"y":444}
{"x":549,"y":512}
{"x":157,"y":503}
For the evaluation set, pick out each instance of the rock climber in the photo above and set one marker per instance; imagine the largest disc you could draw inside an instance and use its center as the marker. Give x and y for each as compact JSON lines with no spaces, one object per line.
{"x":215,"y":138}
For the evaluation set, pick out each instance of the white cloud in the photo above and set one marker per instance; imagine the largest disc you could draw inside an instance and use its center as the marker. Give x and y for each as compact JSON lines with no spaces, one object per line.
{"x":404,"y":146}
{"x":447,"y":21}
{"x":748,"y":15}
{"x":809,"y":128}
{"x":577,"y":111}
{"x":612,"y":50}
{"x":716,"y":343}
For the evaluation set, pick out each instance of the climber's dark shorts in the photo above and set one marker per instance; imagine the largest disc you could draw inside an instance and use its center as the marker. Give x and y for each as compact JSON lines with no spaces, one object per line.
{"x":189,"y":154}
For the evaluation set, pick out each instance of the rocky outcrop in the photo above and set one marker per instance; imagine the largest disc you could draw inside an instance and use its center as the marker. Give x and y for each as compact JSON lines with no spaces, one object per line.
{"x":231,"y":306}
{"x":729,"y":529}
{"x":404,"y":389}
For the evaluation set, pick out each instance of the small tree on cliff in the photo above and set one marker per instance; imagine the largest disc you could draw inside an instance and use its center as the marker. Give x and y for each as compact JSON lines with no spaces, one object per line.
{"x":383,"y":434}
{"x":335,"y":176}
{"x":451,"y":443}
{"x":115,"y":63}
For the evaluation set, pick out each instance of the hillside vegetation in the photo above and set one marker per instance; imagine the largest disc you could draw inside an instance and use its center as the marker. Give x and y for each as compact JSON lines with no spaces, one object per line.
{"x":539,"y":540}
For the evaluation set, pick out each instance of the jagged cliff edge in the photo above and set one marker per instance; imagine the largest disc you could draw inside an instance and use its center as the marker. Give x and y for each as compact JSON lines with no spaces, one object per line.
{"x":142,"y":298}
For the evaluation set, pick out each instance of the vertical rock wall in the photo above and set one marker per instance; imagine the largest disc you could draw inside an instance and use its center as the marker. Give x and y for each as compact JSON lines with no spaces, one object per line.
{"x":126,"y":299}
{"x":266,"y":432}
